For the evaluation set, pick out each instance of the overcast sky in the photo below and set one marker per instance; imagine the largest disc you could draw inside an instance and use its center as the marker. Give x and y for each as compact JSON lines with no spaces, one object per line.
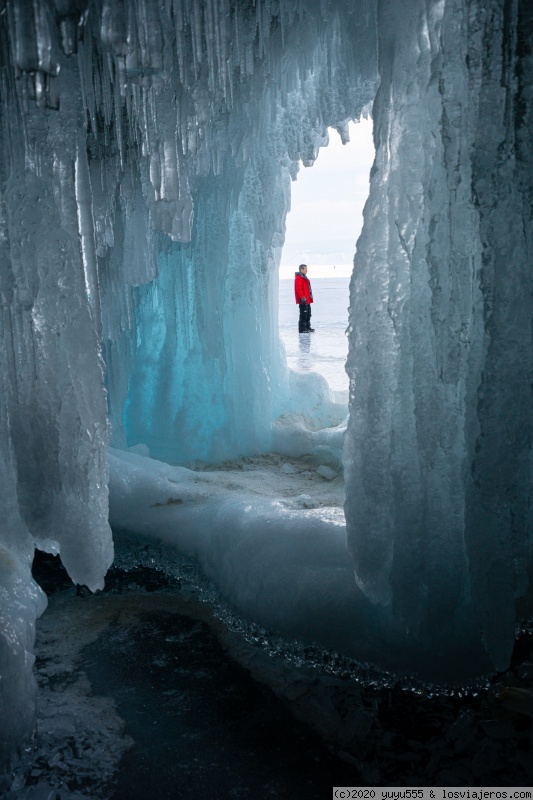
{"x":327,"y":202}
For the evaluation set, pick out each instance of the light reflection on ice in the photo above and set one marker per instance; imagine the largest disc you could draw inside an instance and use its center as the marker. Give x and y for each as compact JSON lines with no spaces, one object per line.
{"x":334,"y":516}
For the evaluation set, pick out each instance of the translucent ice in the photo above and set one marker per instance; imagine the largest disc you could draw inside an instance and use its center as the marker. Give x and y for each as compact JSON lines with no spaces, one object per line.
{"x":438,"y":448}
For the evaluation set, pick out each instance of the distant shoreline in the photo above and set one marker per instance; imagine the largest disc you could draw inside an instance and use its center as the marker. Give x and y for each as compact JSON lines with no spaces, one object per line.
{"x":318,"y":271}
{"x":320,"y":278}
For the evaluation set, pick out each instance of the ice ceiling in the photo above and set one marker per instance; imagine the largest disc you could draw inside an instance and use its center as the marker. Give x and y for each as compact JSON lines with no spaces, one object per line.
{"x":146,"y":152}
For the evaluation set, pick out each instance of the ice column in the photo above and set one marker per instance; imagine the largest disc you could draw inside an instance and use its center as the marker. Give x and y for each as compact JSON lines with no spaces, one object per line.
{"x":438,"y":450}
{"x":53,"y":424}
{"x":206,"y":326}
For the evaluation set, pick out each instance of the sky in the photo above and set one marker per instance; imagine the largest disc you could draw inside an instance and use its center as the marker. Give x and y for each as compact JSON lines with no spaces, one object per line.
{"x":327,"y":202}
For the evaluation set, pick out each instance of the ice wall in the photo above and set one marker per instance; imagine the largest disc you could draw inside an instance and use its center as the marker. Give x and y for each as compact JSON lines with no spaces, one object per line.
{"x":438,"y":451}
{"x":53,"y":427}
{"x":200,"y":351}
{"x":146,"y":151}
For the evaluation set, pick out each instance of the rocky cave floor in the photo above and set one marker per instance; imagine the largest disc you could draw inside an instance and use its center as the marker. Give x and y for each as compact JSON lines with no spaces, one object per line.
{"x":140,"y":697}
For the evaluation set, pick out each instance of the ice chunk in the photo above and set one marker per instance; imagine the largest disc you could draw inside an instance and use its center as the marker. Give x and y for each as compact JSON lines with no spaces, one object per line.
{"x":288,"y":469}
{"x":21,"y":602}
{"x":326,"y":472}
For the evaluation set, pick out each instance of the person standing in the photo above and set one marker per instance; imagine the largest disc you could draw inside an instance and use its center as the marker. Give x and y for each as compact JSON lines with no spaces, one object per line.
{"x":304,"y":297}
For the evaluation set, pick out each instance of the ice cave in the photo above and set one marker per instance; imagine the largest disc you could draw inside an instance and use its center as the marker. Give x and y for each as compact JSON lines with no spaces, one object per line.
{"x":147,"y":151}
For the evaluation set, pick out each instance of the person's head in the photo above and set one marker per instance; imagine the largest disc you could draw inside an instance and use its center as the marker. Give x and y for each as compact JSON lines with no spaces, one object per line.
{"x":303,"y":269}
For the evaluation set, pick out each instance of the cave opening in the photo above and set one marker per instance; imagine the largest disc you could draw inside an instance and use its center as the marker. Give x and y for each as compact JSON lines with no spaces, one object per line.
{"x":322,"y":228}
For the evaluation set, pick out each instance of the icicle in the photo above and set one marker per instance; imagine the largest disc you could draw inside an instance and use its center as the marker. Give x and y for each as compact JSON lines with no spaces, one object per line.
{"x":169,"y":173}
{"x":155,"y":174}
{"x":281,"y":17}
{"x":46,"y":34}
{"x":209,"y":34}
{"x":218,"y":48}
{"x":150,"y":36}
{"x":118,"y":124}
{"x":86,"y":83}
{"x":179,"y":15}
{"x":69,"y":36}
{"x":133,"y":55}
{"x":196,"y":24}
{"x":86,"y":226}
{"x":237,"y":43}
{"x":249,"y":56}
{"x":26,"y":54}
{"x":343,"y":131}
{"x":113,"y":27}
{"x":40,"y":88}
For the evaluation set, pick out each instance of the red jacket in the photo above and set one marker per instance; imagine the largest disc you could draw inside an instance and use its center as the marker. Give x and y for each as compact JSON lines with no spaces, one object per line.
{"x":302,"y":288}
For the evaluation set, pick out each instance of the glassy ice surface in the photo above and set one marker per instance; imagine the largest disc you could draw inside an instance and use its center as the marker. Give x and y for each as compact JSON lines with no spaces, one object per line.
{"x":324,"y":351}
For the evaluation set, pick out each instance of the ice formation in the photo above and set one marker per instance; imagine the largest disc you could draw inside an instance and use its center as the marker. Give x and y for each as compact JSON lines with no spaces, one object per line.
{"x":146,"y":152}
{"x":438,"y":450}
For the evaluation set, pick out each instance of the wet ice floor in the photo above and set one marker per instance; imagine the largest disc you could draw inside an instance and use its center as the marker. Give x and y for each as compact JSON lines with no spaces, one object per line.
{"x":144,"y":693}
{"x":200,"y":725}
{"x":141,"y":700}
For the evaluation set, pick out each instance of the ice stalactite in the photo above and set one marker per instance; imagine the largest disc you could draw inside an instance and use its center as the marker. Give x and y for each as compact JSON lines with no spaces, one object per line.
{"x":439,"y":442}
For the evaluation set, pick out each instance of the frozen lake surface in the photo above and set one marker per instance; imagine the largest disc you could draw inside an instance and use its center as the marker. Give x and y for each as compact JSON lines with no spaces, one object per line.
{"x":324,"y":351}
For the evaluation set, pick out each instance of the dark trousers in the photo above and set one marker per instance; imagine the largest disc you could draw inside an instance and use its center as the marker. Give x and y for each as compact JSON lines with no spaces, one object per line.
{"x":304,"y":323}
